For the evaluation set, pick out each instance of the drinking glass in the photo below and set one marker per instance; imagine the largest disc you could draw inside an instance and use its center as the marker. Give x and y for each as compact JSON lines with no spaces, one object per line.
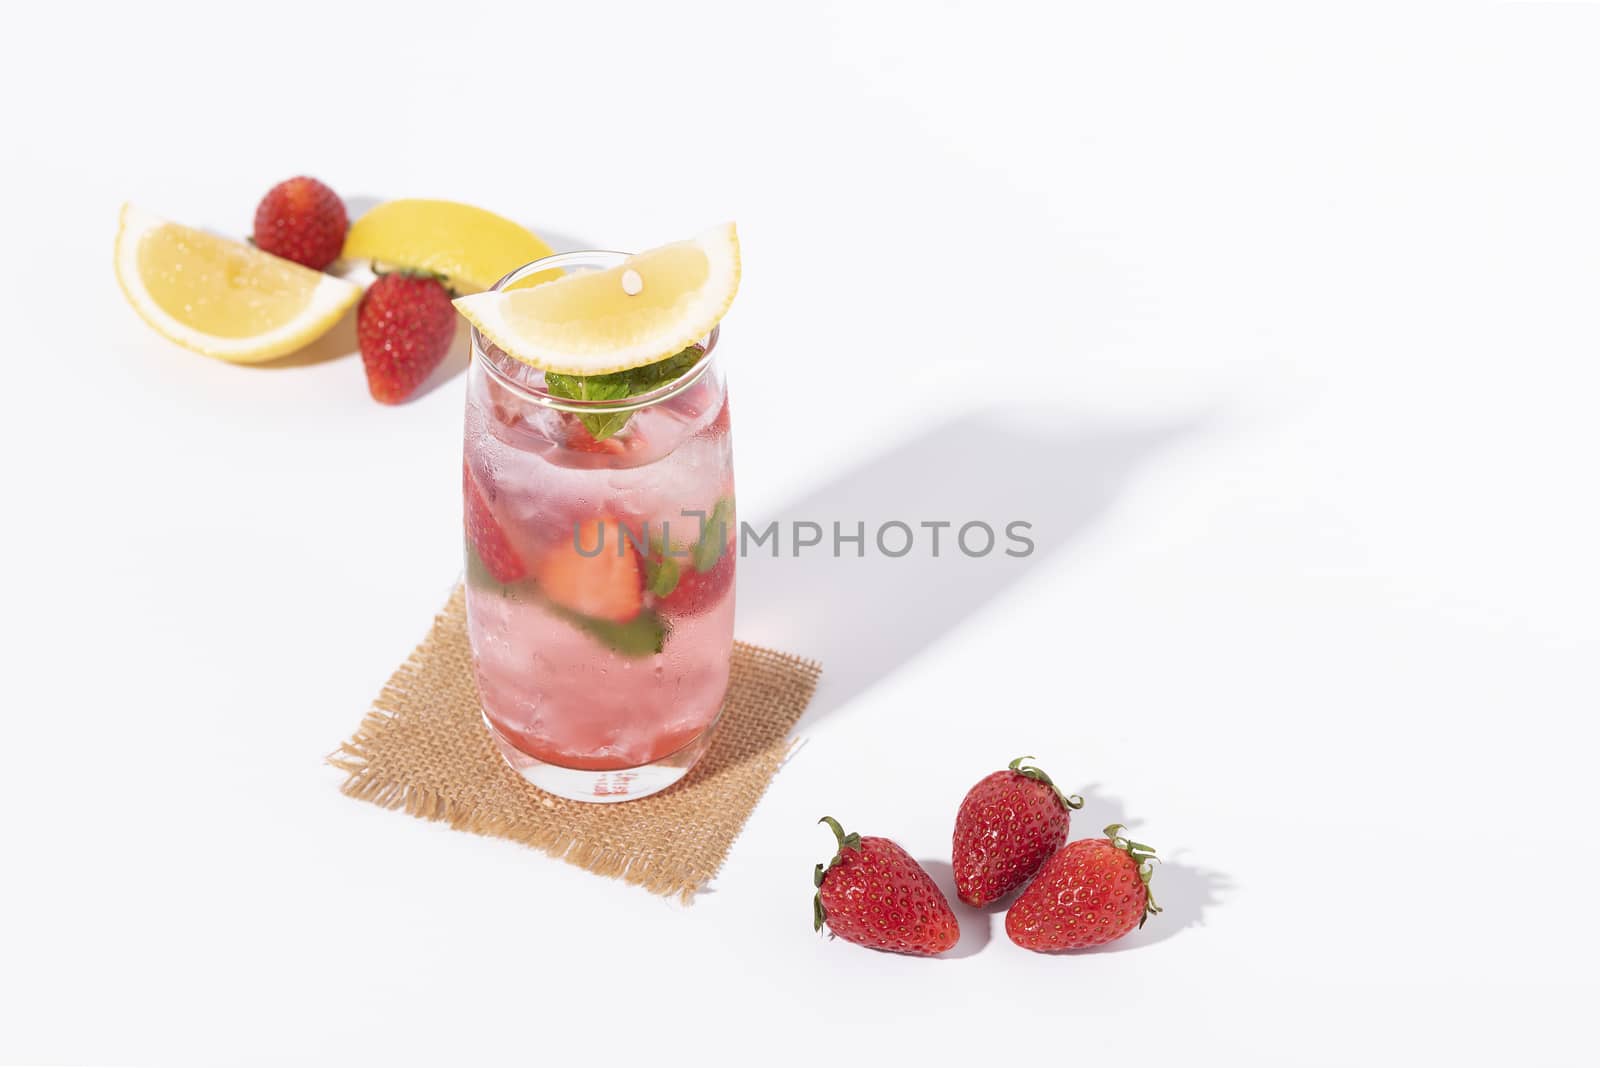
{"x":600,"y":567}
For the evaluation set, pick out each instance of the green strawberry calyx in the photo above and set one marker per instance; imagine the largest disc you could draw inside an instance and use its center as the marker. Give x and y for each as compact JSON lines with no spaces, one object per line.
{"x":1072,"y":801}
{"x":846,"y":841}
{"x":414,"y":272}
{"x":1142,"y":855}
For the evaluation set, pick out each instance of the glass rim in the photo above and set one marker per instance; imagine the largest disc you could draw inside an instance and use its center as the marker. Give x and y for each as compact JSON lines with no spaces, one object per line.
{"x":507,"y":377}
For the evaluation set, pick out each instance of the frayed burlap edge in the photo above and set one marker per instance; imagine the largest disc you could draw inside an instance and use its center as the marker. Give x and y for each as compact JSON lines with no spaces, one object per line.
{"x":632,"y":841}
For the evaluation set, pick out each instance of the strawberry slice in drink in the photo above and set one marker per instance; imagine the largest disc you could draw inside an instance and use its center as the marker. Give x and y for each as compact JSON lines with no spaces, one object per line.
{"x":696,"y":590}
{"x":579,"y":439}
{"x":723,"y":421}
{"x":604,"y":586}
{"x":687,"y":583}
{"x":485,"y":535}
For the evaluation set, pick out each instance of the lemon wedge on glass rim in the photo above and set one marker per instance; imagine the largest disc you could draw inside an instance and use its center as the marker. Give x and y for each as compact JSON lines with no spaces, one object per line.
{"x":650,"y":306}
{"x":223,"y":298}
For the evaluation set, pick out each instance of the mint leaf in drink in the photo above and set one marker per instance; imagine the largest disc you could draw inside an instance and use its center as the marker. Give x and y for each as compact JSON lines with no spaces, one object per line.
{"x":601,"y":427}
{"x":643,"y":635}
{"x":619,"y":385}
{"x":661,"y":575}
{"x":592,"y":388}
{"x":655,"y":375}
{"x":713,"y":536}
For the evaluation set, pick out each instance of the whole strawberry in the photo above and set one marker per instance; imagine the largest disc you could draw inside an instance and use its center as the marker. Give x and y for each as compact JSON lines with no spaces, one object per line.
{"x":873,"y":894}
{"x":1091,"y":892}
{"x":405,"y":325}
{"x":302,"y":220}
{"x":1008,"y":825}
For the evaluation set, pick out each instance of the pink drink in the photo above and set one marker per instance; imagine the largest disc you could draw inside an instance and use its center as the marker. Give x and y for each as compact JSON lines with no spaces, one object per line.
{"x":600,"y":672}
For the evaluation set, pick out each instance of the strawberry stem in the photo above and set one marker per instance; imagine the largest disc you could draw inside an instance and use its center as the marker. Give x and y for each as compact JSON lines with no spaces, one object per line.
{"x":1142,"y":855}
{"x":846,"y":841}
{"x":415,"y":272}
{"x":1072,"y":801}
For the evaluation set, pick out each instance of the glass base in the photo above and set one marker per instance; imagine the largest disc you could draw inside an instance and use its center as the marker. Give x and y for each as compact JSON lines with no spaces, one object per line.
{"x":604,"y":787}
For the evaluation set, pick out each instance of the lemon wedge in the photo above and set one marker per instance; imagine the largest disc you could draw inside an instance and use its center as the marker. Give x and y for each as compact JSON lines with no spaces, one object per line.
{"x":221,"y":297}
{"x":471,"y":247}
{"x":649,"y":307}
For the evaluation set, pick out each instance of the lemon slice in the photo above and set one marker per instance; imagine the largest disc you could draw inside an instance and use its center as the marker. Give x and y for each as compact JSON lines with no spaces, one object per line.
{"x":471,"y":247}
{"x":649,"y":307}
{"x":220,"y":297}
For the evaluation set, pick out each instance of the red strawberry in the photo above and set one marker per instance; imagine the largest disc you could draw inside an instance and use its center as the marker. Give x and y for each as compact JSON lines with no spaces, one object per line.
{"x":1091,"y":892}
{"x":692,"y":579}
{"x":606,"y":585}
{"x":302,"y":220}
{"x":873,"y":894}
{"x":580,"y":440}
{"x":485,"y":536}
{"x":1007,"y":826}
{"x":722,"y":422}
{"x":698,"y":590}
{"x":405,"y":325}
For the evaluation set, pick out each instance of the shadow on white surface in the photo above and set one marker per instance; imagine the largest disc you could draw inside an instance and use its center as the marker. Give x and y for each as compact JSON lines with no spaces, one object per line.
{"x":865,"y":617}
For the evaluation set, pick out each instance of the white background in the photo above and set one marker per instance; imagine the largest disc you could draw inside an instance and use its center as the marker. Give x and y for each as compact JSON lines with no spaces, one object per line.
{"x":1278,"y":322}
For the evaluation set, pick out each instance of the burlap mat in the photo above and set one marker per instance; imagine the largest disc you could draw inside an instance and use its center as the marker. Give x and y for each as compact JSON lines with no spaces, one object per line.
{"x":424,"y":747}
